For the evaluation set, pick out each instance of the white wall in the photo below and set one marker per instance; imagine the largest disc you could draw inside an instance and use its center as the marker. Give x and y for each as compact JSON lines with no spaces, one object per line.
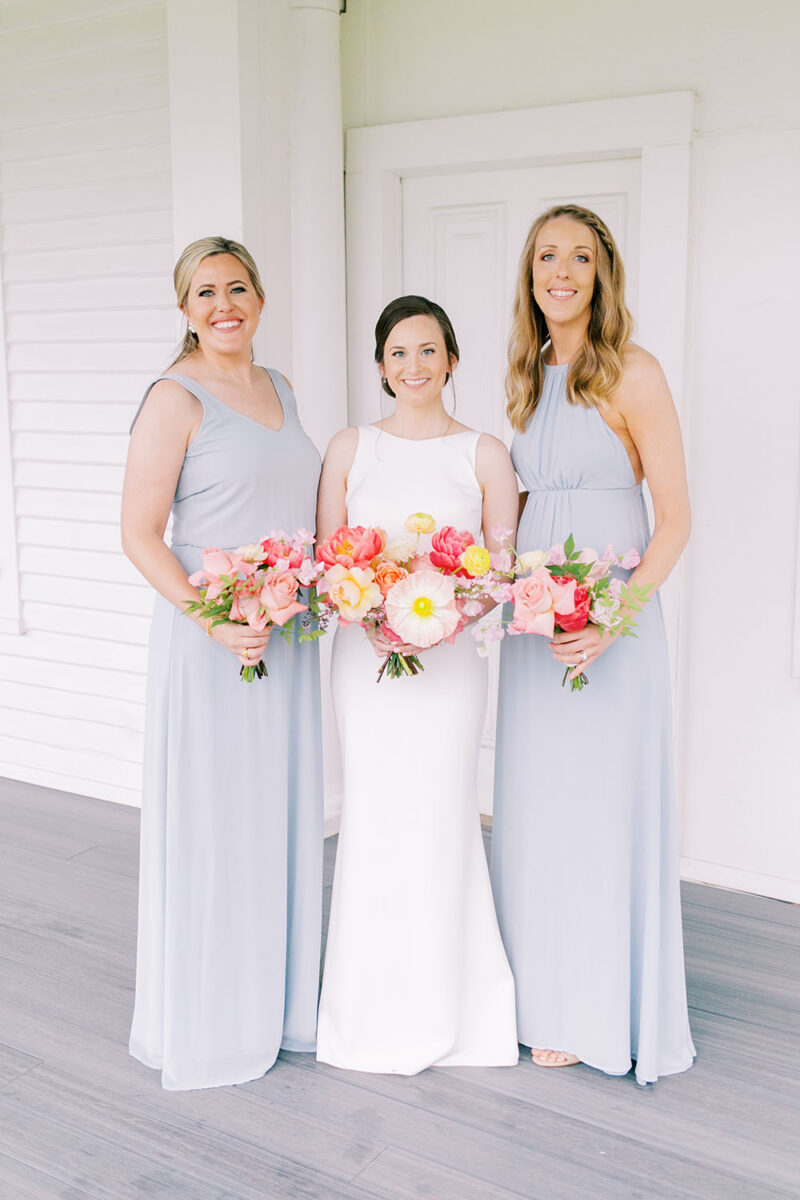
{"x":738,"y":703}
{"x":128,"y":130}
{"x":86,"y":255}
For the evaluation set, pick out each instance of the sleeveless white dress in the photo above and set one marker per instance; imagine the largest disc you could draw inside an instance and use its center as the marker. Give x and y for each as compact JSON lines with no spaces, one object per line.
{"x":415,"y":971}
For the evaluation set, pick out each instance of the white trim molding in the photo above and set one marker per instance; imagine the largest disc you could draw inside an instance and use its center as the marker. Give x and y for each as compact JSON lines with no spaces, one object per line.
{"x":739,"y":879}
{"x":658,"y":129}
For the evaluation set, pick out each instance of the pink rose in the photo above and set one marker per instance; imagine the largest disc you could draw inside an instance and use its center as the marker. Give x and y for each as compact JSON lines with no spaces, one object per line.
{"x":447,"y":546}
{"x":533,"y":604}
{"x":278,"y":597}
{"x":217,"y":563}
{"x":250,"y":608}
{"x":538,"y":598}
{"x":351,"y":547}
{"x":387,"y":574}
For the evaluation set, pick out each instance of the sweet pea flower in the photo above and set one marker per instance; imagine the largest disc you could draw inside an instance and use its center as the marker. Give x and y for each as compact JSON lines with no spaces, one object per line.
{"x":556,"y":556}
{"x":630,"y":559}
{"x":501,"y":534}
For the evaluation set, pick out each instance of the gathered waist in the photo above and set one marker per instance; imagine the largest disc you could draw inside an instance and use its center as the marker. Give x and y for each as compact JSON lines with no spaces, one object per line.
{"x":634,"y":489}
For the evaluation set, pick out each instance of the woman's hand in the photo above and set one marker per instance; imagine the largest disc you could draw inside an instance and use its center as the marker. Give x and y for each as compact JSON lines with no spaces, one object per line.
{"x":579,"y":650}
{"x":383,"y":645}
{"x":247,"y":644}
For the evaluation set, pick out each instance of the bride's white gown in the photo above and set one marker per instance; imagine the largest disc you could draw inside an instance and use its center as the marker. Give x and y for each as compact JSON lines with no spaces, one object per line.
{"x":415,"y":971}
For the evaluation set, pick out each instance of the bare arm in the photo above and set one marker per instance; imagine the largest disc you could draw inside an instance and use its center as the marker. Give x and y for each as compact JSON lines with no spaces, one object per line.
{"x":501,"y":498}
{"x":332,"y":492}
{"x":645,"y":403}
{"x":159,"y":440}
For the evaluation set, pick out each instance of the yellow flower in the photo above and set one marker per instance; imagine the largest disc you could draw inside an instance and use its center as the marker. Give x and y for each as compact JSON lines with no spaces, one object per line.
{"x":476,"y":560}
{"x":420,"y":523}
{"x":353,"y":590}
{"x":531,"y":560}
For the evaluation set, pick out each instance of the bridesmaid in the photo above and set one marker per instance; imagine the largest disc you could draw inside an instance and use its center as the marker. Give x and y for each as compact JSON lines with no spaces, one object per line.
{"x":231,"y":871}
{"x":585,"y":865}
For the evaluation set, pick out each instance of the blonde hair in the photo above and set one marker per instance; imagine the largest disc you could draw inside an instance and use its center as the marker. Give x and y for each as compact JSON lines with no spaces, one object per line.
{"x":595,"y":372}
{"x":188,"y":263}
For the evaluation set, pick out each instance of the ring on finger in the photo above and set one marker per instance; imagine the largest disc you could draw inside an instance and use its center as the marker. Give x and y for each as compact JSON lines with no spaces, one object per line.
{"x":584,"y":656}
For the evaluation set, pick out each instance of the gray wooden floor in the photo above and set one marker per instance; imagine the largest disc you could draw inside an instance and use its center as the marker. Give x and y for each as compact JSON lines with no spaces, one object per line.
{"x":79,"y":1119}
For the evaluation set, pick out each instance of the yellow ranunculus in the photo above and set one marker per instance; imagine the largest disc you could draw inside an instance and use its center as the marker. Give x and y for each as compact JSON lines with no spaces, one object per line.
{"x":476,"y":560}
{"x":420,"y":523}
{"x":353,"y":590}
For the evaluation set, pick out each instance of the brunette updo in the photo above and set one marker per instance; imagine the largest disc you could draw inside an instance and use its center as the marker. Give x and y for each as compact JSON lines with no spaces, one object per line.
{"x":413,"y":306}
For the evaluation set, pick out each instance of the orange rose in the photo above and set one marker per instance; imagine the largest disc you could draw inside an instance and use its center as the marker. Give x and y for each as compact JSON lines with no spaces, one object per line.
{"x":387,"y":574}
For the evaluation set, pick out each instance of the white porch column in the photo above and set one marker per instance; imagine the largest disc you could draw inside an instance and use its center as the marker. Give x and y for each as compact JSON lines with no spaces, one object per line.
{"x":317,"y":191}
{"x":229,"y":135}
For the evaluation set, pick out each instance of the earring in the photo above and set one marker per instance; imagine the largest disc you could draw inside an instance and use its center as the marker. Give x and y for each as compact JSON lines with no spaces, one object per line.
{"x":192,"y":328}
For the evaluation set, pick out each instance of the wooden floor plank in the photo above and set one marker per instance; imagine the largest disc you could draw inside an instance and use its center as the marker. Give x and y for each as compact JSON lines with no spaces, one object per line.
{"x":80,"y":1120}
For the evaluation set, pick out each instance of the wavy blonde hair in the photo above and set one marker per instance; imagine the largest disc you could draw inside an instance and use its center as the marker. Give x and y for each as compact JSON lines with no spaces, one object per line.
{"x":188,"y":263}
{"x":596,"y":371}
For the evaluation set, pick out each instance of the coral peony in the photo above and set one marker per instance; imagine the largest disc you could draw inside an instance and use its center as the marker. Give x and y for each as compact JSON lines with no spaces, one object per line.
{"x":351,"y":547}
{"x":447,"y":546}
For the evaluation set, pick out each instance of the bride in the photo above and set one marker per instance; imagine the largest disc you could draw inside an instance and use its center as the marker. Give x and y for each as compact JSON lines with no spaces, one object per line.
{"x":415,"y":972}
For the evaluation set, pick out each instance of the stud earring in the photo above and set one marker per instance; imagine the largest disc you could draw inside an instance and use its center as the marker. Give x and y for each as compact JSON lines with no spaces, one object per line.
{"x":192,"y":328}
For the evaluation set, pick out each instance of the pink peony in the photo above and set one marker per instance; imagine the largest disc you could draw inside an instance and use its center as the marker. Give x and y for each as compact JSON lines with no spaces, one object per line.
{"x":277,"y":550}
{"x":447,"y":546}
{"x":351,"y":547}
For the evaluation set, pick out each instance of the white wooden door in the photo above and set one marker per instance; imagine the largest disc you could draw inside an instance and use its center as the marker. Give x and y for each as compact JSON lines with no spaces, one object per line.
{"x":462,"y":236}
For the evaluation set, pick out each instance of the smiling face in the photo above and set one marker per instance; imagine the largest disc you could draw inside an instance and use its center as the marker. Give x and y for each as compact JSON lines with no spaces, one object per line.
{"x":223,"y":305}
{"x":415,"y":362}
{"x":564,"y":271}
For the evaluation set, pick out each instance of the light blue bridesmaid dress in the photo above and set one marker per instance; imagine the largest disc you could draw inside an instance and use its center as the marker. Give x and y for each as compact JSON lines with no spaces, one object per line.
{"x":584,"y":846}
{"x":231,"y":847}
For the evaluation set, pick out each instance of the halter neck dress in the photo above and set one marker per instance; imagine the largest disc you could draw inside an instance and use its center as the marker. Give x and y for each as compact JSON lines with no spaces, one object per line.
{"x":231,"y":845}
{"x":415,"y":973}
{"x":584,"y":845}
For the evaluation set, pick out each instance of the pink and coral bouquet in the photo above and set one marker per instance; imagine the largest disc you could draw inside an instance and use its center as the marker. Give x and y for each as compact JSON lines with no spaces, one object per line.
{"x":259,"y":585}
{"x":407,"y":594}
{"x":562,"y":589}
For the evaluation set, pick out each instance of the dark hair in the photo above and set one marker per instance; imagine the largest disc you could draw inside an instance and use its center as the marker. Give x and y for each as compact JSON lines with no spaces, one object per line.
{"x":413,"y":306}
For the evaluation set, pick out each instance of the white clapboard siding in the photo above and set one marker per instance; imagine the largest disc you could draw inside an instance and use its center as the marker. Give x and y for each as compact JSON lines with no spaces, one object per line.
{"x":27,"y":697}
{"x":88,"y":262}
{"x":113,"y":598}
{"x":62,"y":416}
{"x":81,"y":506}
{"x":107,"y":387}
{"x":86,"y":622}
{"x":90,"y":320}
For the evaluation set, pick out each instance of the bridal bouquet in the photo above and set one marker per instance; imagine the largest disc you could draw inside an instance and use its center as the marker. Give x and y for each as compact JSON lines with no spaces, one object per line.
{"x":408,"y":595}
{"x":562,"y":589}
{"x":258,"y":585}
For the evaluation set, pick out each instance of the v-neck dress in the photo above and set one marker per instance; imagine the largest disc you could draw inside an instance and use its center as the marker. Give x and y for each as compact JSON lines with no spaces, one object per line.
{"x":231,"y":844}
{"x":584,"y":844}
